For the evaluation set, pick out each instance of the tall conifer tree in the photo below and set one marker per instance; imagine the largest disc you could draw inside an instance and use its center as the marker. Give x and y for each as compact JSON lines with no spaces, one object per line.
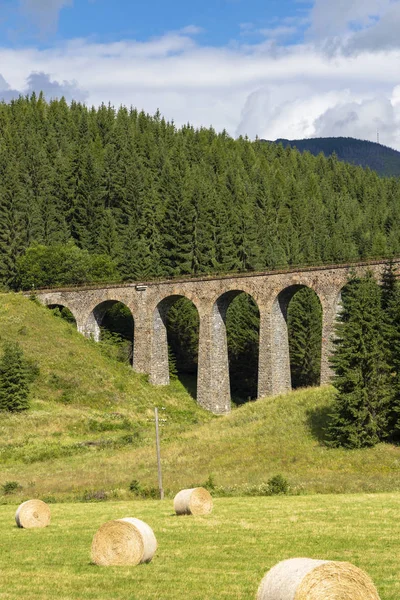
{"x":362,"y":376}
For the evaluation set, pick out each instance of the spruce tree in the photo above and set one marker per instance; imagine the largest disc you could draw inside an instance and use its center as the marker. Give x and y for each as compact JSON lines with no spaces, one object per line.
{"x":14,"y":383}
{"x":362,"y":377}
{"x":391,"y":330}
{"x":305,"y":330}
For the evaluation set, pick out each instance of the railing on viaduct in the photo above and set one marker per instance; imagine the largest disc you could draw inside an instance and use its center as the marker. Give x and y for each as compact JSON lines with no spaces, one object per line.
{"x":149,"y":304}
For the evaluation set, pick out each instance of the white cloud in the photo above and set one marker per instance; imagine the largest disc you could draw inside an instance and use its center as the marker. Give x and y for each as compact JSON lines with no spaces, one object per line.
{"x":384,"y":35}
{"x":43,"y":13}
{"x":41,"y":82}
{"x":335,"y":17}
{"x":263,"y":89}
{"x":362,"y":120}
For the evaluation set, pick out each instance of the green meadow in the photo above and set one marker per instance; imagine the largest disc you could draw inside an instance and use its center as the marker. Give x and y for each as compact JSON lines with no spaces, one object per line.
{"x":90,"y":433}
{"x":220,"y":556}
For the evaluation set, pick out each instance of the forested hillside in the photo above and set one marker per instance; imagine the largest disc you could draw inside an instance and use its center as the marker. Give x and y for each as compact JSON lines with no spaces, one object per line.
{"x":385,"y":161}
{"x":162,"y":201}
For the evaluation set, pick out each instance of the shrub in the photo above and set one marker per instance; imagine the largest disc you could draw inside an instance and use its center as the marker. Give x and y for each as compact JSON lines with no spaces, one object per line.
{"x":143,"y":491}
{"x":209,"y":483}
{"x":278,"y":486}
{"x":95,"y":496}
{"x":135,"y":486}
{"x":9,"y":487}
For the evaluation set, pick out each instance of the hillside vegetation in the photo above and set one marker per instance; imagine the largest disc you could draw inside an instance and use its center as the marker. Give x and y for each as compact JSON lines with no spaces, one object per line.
{"x":90,"y":430}
{"x":83,"y":403}
{"x":385,"y":161}
{"x":161,"y":201}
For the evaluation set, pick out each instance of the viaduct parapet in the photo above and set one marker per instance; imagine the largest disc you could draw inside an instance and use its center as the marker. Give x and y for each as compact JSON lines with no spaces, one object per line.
{"x":150,"y":302}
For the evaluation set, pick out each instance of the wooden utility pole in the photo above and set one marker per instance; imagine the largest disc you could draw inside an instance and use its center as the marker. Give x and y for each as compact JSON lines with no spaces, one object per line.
{"x":160,"y":486}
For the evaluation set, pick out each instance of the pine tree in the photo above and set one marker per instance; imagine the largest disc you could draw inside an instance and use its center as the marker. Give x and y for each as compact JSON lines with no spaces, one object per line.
{"x":305,"y":330}
{"x":14,"y":384}
{"x":362,"y":378}
{"x":11,"y":221}
{"x":391,"y":331}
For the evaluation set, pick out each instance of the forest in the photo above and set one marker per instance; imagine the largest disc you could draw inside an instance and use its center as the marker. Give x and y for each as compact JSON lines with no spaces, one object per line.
{"x":382,"y":159}
{"x":91,"y":194}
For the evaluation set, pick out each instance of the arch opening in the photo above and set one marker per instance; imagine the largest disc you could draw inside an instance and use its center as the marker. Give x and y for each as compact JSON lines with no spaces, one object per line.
{"x":112,"y":324}
{"x":62,"y":312}
{"x":180,"y":318}
{"x":242,"y":323}
{"x":302,"y":311}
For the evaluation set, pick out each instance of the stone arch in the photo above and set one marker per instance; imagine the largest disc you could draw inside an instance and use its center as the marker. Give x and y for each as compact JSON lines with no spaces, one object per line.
{"x":243,"y":374}
{"x":213,"y":380}
{"x":159,"y":362}
{"x":280,"y":354}
{"x":68,"y":313}
{"x":97,"y":316}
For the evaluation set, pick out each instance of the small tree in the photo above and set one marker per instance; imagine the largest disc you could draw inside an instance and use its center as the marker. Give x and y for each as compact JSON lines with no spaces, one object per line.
{"x":362,"y":375}
{"x":14,"y":380}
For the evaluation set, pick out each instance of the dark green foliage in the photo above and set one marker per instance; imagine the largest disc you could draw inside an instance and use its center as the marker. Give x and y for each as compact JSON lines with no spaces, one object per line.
{"x":391,"y":329}
{"x":173,"y":371}
{"x":14,"y":379}
{"x":305,"y":330}
{"x":242,"y":327}
{"x":381,"y":159}
{"x":9,"y":487}
{"x":43,"y":266}
{"x":63,"y":313}
{"x":183,"y":335}
{"x":117,"y":333}
{"x":278,"y":485}
{"x":362,"y":374}
{"x":160,"y":201}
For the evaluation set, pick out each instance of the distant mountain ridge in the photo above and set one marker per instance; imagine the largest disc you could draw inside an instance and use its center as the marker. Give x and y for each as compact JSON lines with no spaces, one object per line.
{"x":381,"y":159}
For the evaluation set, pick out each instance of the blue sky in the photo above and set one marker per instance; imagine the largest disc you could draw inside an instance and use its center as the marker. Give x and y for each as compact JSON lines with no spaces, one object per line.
{"x":220,"y":21}
{"x":271,"y":68}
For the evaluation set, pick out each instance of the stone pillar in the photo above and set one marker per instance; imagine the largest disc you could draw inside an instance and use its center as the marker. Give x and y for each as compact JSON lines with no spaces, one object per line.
{"x":142,"y":343}
{"x":330,"y":309}
{"x":265,"y":354}
{"x":159,"y":364}
{"x":213,"y":386}
{"x":280,"y":360}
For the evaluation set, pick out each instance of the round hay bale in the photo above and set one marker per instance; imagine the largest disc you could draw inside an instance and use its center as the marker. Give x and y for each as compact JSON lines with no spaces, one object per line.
{"x":123,"y":542}
{"x":195,"y":501}
{"x":32,"y":513}
{"x":308,"y":579}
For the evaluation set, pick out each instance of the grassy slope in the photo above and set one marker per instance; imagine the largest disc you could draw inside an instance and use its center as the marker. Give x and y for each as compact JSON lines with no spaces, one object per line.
{"x":221,"y":556}
{"x":276,"y":435}
{"x":84,"y":404}
{"x":104,"y":437}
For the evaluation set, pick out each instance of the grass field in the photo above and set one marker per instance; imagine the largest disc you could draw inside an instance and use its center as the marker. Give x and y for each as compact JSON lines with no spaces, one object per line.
{"x":221,"y":556}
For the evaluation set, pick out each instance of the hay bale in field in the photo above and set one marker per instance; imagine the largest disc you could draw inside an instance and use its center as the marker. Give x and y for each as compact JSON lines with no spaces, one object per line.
{"x":123,"y":542}
{"x":308,"y":579}
{"x":195,"y":501}
{"x":33,"y":513}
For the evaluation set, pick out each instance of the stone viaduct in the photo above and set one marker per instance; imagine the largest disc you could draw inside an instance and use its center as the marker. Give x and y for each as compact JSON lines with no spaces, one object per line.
{"x":149,"y":303}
